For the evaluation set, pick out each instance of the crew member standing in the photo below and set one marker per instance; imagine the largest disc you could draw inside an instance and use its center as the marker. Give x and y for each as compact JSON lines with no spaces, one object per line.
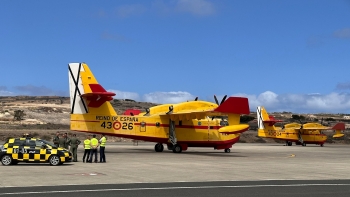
{"x":87,"y":148}
{"x":74,"y":142}
{"x":94,"y":145}
{"x":56,"y":139}
{"x":66,"y":141}
{"x":62,"y":141}
{"x":102,"y":142}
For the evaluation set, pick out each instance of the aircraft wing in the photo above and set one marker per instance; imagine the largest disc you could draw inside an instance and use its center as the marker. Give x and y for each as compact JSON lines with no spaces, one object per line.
{"x":317,"y":128}
{"x":201,"y":109}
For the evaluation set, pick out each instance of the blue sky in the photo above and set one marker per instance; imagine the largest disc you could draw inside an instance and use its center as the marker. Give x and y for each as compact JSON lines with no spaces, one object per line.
{"x":288,"y":55}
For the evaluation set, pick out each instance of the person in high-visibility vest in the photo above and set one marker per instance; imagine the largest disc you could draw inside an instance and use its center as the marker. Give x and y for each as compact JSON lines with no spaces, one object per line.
{"x":87,"y":148}
{"x":94,"y":146}
{"x":102,"y":142}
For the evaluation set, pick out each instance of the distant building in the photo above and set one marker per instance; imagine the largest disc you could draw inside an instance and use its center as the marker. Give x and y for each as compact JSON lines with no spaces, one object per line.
{"x":346,"y":117}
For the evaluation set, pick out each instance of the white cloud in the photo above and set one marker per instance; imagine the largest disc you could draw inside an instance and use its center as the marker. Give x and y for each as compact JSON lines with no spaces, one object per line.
{"x":125,"y":95}
{"x":168,"y":97}
{"x":300,"y":103}
{"x":6,"y":93}
{"x":195,"y":7}
{"x":342,"y":33}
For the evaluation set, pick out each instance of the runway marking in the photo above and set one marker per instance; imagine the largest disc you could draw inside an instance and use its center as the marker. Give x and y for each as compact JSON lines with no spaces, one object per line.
{"x":165,"y":188}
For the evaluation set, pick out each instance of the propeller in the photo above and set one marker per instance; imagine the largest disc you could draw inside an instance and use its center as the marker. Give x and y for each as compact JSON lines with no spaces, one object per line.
{"x":302,"y":124}
{"x":147,"y":112}
{"x":217,"y":102}
{"x":322,"y":122}
{"x":222,"y":101}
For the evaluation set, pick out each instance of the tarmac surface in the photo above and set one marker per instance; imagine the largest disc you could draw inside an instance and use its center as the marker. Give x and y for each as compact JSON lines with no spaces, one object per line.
{"x":249,"y":170}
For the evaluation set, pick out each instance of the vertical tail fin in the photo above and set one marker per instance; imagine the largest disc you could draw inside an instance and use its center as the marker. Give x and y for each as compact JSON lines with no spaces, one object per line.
{"x":339,"y":127}
{"x":85,"y":92}
{"x":265,"y":122}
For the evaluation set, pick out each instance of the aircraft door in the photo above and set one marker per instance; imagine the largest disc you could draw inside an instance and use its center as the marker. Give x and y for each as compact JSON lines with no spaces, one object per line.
{"x":143,"y":126}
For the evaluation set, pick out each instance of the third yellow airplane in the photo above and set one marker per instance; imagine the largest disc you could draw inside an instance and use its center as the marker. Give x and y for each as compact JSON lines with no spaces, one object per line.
{"x":301,"y":134}
{"x":179,"y":126}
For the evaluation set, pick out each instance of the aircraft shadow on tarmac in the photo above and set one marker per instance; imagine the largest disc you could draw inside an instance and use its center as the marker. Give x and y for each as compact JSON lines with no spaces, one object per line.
{"x":207,"y":153}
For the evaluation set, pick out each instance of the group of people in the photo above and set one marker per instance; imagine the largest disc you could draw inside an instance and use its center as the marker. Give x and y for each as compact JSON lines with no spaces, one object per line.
{"x":91,"y":145}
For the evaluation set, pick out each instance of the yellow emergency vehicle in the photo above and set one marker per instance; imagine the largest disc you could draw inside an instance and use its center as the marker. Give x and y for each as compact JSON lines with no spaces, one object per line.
{"x":33,"y":150}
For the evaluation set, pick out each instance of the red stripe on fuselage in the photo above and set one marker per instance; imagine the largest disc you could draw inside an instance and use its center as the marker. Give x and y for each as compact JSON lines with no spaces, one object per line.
{"x":165,"y":140}
{"x":182,"y":126}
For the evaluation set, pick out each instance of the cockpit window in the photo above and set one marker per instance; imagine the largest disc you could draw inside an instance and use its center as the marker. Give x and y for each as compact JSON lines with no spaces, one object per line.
{"x":223,"y":123}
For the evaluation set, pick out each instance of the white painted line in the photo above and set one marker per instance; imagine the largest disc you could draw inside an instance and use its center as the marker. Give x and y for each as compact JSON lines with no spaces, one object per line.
{"x":166,"y":188}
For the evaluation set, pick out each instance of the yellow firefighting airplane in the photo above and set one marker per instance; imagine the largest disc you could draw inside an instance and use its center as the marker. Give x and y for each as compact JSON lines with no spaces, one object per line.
{"x":301,"y":134}
{"x":179,"y":126}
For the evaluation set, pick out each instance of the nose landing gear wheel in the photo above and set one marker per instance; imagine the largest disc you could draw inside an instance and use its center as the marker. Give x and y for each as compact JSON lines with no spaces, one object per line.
{"x":303,"y":144}
{"x":159,"y":147}
{"x":177,"y":148}
{"x":227,"y":150}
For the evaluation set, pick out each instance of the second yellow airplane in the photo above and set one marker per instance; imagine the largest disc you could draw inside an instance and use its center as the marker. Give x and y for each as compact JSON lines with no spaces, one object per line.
{"x":301,"y":134}
{"x":179,"y":126}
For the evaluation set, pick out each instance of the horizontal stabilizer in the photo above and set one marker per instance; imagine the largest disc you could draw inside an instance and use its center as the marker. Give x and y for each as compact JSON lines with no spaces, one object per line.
{"x":234,"y":129}
{"x":272,"y":121}
{"x":338,"y":128}
{"x":339,"y":135}
{"x":98,"y":95}
{"x":234,"y":105}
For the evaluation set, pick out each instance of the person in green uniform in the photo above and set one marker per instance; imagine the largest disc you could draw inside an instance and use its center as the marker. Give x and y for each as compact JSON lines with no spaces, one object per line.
{"x":94,"y":146}
{"x":66,"y":141}
{"x":87,"y":148}
{"x":62,"y":141}
{"x":102,"y":142}
{"x":56,"y":139}
{"x":74,"y":142}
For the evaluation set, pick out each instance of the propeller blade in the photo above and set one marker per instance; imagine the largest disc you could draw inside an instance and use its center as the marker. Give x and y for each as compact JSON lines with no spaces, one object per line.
{"x":223,"y":99}
{"x":301,"y":127}
{"x":216,"y":100}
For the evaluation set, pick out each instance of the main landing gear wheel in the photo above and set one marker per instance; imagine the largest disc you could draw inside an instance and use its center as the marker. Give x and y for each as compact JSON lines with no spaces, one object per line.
{"x":227,"y":150}
{"x":177,"y":148}
{"x":289,"y":143}
{"x":321,"y":145}
{"x":303,"y":144}
{"x":159,"y":147}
